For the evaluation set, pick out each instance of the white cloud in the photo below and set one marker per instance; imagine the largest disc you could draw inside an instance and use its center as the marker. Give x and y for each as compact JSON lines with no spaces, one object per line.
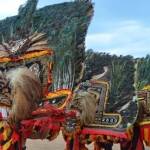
{"x":50,"y":2}
{"x":100,"y":38}
{"x":9,"y":7}
{"x":128,"y":37}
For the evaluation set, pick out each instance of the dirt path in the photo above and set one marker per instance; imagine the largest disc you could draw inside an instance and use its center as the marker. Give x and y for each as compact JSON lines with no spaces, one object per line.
{"x":57,"y":144}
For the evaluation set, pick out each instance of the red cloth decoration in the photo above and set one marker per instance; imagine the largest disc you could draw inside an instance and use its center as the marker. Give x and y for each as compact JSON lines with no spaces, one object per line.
{"x":91,"y":131}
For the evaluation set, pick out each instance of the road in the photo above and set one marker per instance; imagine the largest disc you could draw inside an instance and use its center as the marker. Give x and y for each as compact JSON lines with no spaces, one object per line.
{"x":57,"y":144}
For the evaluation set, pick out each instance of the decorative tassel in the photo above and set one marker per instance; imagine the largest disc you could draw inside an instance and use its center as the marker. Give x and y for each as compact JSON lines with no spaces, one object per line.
{"x":97,"y":146}
{"x":76,"y":145}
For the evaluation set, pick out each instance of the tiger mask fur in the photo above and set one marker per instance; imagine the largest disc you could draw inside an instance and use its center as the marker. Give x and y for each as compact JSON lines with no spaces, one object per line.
{"x":25,"y":93}
{"x":85,"y":103}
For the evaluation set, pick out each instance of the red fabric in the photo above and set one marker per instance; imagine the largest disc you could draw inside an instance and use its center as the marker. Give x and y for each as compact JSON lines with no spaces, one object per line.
{"x":142,"y":131}
{"x":97,"y":146}
{"x":76,"y":142}
{"x":140,"y":145}
{"x":42,"y":124}
{"x":104,"y":132}
{"x":67,"y":144}
{"x":1,"y":116}
{"x":49,"y":110}
{"x":45,"y":119}
{"x":145,"y":133}
{"x":15,"y":136}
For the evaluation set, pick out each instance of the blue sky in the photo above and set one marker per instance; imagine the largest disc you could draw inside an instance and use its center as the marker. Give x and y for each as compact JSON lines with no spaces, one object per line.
{"x":118,"y":26}
{"x":121,"y":27}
